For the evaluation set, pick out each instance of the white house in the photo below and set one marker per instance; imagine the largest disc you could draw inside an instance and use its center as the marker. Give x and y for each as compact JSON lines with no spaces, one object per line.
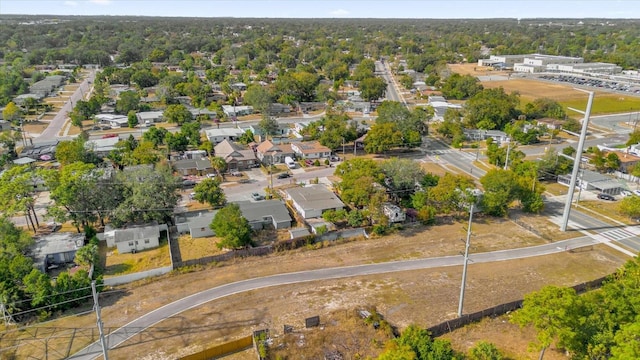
{"x":197,"y":226}
{"x":149,"y":117}
{"x":311,"y":201}
{"x":310,"y":150}
{"x":218,"y":135}
{"x":115,"y":121}
{"x":134,"y":238}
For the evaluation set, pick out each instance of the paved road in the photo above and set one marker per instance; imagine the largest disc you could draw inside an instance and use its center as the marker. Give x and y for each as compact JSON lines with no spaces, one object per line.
{"x":51,"y":132}
{"x":140,"y":324}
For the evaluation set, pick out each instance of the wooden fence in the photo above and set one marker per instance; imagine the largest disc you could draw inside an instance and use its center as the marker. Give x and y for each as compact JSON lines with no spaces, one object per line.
{"x":501,"y":309}
{"x":222,"y":349}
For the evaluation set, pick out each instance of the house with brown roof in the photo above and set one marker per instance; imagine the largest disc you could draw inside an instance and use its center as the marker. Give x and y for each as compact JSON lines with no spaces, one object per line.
{"x":236,"y":157}
{"x":310,"y":150}
{"x":270,"y":153}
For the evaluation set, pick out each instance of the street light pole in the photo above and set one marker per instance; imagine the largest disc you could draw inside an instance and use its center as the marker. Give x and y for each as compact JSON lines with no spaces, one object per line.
{"x":577,"y":160}
{"x":506,"y":161}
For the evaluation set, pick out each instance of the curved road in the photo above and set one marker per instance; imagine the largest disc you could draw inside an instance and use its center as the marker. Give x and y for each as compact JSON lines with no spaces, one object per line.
{"x":136,"y":326}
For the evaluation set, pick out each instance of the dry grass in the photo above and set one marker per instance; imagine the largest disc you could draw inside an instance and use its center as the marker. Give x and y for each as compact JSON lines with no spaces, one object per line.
{"x":120,"y":264}
{"x":424,"y":297}
{"x":475,"y":70}
{"x":35,"y":127}
{"x":604,"y":209}
{"x":197,"y":248}
{"x":530,"y":89}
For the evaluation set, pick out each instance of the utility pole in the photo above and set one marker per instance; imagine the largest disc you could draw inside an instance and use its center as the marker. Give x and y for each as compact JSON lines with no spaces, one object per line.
{"x":96,"y":307}
{"x":466,"y":261}
{"x":577,"y":160}
{"x":506,"y":161}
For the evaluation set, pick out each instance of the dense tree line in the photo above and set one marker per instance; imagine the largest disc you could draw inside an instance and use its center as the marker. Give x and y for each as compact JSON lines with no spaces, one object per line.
{"x":312,"y":48}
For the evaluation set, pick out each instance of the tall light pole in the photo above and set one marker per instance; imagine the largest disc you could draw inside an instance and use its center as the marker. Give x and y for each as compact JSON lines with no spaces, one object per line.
{"x":506,"y":161}
{"x":466,"y":262}
{"x":576,"y":161}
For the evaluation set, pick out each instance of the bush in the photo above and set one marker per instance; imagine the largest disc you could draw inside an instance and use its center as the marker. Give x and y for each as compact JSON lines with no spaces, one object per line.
{"x":316,"y":163}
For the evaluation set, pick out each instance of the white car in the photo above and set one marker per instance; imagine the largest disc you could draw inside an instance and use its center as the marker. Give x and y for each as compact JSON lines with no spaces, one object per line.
{"x":636,"y":192}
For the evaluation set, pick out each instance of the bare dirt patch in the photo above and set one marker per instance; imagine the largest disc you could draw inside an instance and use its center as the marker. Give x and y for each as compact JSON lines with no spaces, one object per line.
{"x":424,"y":297}
{"x":475,"y":70}
{"x":35,"y":127}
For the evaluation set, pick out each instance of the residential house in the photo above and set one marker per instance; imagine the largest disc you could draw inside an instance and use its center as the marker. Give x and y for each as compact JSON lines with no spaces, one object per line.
{"x":149,"y":117}
{"x":269,"y":153}
{"x":47,"y":85}
{"x":393,"y":212}
{"x":268,"y":213}
{"x":113,"y":120}
{"x":216,"y":136}
{"x":199,"y":166}
{"x":551,"y":124}
{"x":203,"y":113}
{"x":239,"y":86}
{"x":55,"y":249}
{"x":311,"y":201}
{"x":310,"y":150}
{"x":102,"y":147}
{"x":134,"y":238}
{"x":233,"y":111}
{"x":282,"y":131}
{"x":627,"y":160}
{"x":236,"y":157}
{"x":481,"y":135}
{"x":196,"y":224}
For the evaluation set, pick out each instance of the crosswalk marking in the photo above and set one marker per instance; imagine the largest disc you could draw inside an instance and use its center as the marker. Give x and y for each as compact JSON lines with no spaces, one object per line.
{"x":617,"y":234}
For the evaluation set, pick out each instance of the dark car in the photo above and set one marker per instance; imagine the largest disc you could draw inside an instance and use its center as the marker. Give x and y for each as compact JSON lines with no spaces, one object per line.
{"x":284,"y":175}
{"x":604,"y":196}
{"x":188,"y":183}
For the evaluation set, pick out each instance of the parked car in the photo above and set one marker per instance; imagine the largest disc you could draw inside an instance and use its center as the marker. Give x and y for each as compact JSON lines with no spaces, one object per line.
{"x":604,"y":196}
{"x":188,"y":183}
{"x":636,"y":192}
{"x":106,"y":136}
{"x":257,"y":197}
{"x":283,"y":175}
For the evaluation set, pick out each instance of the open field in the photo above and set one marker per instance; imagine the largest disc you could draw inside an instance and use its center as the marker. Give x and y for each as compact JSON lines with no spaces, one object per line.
{"x":475,"y":70}
{"x":401,"y":297}
{"x":197,"y":248}
{"x":604,"y":103}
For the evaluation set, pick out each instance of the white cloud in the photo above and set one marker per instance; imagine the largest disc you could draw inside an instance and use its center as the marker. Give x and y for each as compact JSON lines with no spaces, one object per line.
{"x":71,"y":3}
{"x":100,"y":2}
{"x":339,"y":12}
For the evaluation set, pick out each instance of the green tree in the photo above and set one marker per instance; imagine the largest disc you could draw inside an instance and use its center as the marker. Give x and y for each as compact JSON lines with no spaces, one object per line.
{"x":191,"y":130}
{"x":87,"y":255}
{"x":372,"y":88}
{"x":449,"y":195}
{"x":461,"y":87}
{"x":627,"y":344}
{"x":177,"y":114}
{"x":128,"y":101}
{"x":634,"y":138}
{"x":209,"y":191}
{"x":149,"y":194}
{"x":491,"y":109}
{"x":258,"y":97}
{"x":554,"y":312}
{"x":382,"y":138}
{"x":500,"y":189}
{"x":268,"y":125}
{"x":402,"y":175}
{"x":544,"y":107}
{"x":630,"y":206}
{"x":16,"y":193}
{"x":155,"y":135}
{"x":132,"y":119}
{"x":11,"y":112}
{"x":233,"y":229}
{"x":485,"y":351}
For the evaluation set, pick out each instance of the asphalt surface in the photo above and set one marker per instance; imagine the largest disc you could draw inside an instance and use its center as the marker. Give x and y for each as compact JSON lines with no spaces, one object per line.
{"x":138,"y":325}
{"x":56,"y":124}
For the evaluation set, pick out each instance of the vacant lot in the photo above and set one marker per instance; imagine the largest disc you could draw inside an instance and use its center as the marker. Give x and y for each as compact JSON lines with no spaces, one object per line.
{"x":423,"y":297}
{"x":120,"y":264}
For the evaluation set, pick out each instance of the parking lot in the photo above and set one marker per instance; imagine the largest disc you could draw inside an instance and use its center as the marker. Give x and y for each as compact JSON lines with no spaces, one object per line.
{"x":595,"y":82}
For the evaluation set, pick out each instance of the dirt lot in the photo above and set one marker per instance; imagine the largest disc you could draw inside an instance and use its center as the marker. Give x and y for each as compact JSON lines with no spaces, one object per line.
{"x":423,"y":297}
{"x":532,"y":89}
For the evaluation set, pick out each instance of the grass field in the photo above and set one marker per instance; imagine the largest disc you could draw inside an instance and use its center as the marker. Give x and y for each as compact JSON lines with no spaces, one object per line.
{"x":567,"y":96}
{"x":120,"y":264}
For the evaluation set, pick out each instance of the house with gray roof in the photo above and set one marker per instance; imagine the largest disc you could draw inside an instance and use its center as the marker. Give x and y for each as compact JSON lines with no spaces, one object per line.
{"x":268,"y":213}
{"x":56,"y":249}
{"x":313,"y":200}
{"x":216,"y":136}
{"x":186,"y":167}
{"x":134,"y":237}
{"x":196,"y":224}
{"x":149,"y":117}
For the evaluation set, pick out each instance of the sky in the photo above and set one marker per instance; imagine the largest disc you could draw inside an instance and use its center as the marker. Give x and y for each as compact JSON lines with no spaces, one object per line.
{"x":427,"y":9}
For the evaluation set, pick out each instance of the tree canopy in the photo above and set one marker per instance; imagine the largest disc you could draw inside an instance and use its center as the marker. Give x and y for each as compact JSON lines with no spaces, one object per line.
{"x":233,"y":229}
